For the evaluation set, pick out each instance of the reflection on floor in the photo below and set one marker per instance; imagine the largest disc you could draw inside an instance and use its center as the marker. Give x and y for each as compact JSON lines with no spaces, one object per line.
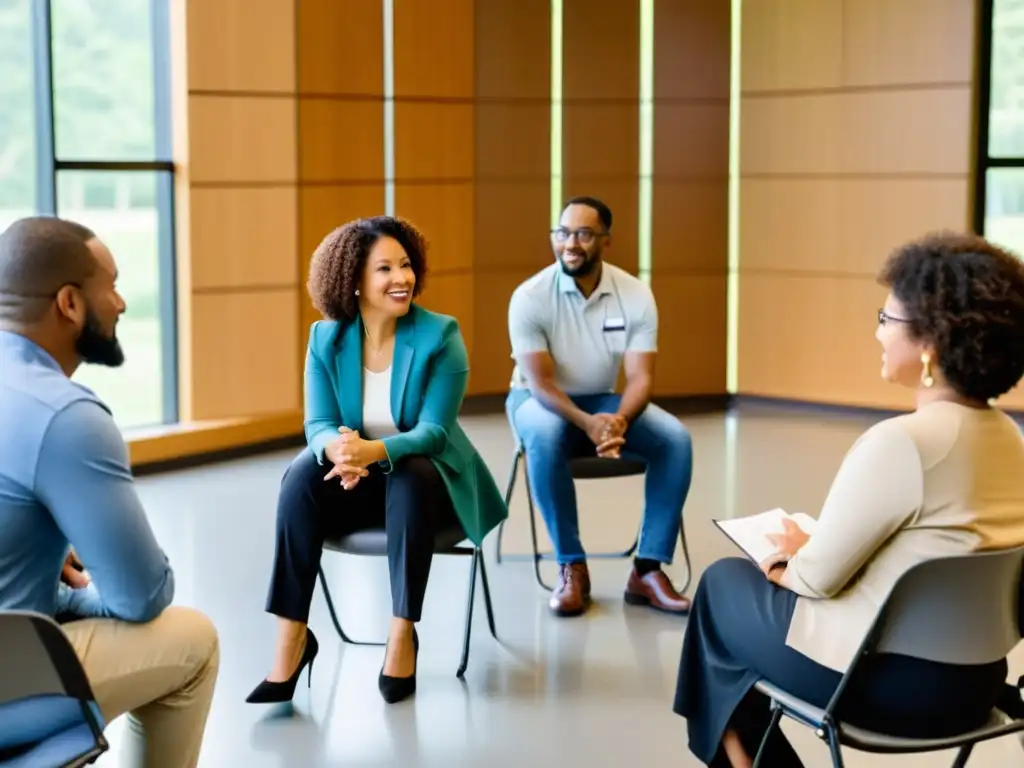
{"x":590,"y":691}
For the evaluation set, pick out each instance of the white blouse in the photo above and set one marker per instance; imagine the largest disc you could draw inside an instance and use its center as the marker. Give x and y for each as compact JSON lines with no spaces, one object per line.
{"x":378,"y":422}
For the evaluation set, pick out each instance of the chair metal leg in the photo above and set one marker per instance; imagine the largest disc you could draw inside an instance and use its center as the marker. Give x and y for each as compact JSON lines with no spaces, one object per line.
{"x":686,"y":558}
{"x":963,"y":756}
{"x":776,"y":716}
{"x":509,"y":488}
{"x":833,"y":746}
{"x":469,"y":616}
{"x":334,"y":616}
{"x":487,"y":593}
{"x":533,"y":532}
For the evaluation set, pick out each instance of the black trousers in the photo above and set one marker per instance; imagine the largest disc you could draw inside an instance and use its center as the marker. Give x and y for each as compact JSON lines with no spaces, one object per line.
{"x":736,"y":635}
{"x":411,"y":503}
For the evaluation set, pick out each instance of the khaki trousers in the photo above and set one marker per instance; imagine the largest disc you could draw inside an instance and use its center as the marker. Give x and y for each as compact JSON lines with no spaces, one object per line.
{"x":162,"y":674}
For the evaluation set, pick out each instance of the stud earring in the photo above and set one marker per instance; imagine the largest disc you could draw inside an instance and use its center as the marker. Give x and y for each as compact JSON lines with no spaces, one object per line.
{"x":357,"y":291}
{"x":926,"y":371}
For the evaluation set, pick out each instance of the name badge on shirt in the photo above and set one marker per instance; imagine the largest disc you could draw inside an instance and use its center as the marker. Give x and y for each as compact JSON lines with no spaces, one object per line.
{"x":614,"y":324}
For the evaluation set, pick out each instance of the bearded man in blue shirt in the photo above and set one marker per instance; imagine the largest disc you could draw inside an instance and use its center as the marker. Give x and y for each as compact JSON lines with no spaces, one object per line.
{"x":73,"y":534}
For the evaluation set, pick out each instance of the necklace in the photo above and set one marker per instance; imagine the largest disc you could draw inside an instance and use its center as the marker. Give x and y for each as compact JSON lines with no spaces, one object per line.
{"x":379,"y":349}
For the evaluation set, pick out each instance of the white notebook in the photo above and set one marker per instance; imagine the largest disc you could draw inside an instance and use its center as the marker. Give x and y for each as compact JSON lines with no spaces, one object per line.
{"x":750,"y":533}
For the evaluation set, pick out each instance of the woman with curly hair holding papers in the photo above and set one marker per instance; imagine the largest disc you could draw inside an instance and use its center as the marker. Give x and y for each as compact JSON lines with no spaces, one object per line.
{"x":384,"y":382}
{"x":945,"y":479}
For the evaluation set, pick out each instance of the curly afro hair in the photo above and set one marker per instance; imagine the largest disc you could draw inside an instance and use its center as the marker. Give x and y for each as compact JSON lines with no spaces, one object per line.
{"x":964,"y":297}
{"x":337,"y":265}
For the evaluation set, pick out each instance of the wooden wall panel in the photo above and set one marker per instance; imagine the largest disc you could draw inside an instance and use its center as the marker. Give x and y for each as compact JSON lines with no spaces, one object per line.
{"x":252,"y":229}
{"x":341,"y":47}
{"x":601,"y":113}
{"x":690,"y":194}
{"x":512,"y":185}
{"x":237,"y":209}
{"x":435,"y":148}
{"x":223,"y":147}
{"x":241,"y":46}
{"x":852,"y":142}
{"x":340,"y":84}
{"x":876,"y":33}
{"x":245,"y":356}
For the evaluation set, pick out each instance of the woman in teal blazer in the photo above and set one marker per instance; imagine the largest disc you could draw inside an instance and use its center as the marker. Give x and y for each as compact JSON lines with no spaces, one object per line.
{"x":384,"y":382}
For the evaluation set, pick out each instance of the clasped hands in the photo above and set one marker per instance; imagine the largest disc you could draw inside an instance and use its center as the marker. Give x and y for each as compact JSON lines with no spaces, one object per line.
{"x":607,"y":432}
{"x":351,"y":455}
{"x":787,"y":544}
{"x":73,"y":573}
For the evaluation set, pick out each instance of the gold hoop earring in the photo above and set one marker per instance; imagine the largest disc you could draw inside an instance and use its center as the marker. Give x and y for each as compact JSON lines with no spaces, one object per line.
{"x":926,"y":371}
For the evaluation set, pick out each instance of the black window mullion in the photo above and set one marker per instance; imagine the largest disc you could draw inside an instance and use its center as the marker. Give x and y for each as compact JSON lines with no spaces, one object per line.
{"x":984,"y":105}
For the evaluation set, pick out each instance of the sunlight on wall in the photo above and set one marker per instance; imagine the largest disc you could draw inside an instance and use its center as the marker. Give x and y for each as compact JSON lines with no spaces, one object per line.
{"x":556,"y":111}
{"x":389,"y":107}
{"x":645,"y":212}
{"x":732,"y":354}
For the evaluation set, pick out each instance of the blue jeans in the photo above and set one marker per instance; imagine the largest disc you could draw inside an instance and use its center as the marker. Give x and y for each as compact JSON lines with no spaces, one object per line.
{"x":656,"y":436}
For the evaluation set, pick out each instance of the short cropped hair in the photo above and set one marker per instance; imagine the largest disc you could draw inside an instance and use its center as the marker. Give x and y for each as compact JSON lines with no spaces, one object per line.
{"x":38,"y":256}
{"x":604,"y":213}
{"x":964,"y":296}
{"x":338,"y":262}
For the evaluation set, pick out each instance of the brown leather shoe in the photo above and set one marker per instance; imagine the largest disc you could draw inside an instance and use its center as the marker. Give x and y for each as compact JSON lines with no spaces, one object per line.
{"x":655,"y":589}
{"x":572,"y":595}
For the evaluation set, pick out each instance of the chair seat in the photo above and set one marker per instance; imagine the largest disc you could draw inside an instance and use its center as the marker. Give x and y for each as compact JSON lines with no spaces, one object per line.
{"x":374,"y":541}
{"x":594,"y":467}
{"x":74,"y":746}
{"x":881,"y":743}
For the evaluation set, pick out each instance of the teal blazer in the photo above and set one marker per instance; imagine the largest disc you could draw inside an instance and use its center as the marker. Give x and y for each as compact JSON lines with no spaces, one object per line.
{"x":429,"y":375}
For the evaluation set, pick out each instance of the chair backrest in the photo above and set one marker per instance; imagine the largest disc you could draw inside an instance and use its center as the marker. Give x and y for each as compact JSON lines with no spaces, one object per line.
{"x":962,"y":609}
{"x":38,"y":660}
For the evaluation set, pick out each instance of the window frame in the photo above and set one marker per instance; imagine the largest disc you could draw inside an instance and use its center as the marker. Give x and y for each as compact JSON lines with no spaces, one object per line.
{"x":49,"y":166}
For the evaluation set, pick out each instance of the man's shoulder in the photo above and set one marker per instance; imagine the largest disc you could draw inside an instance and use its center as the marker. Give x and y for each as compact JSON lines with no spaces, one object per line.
{"x":536,"y":292}
{"x":540,"y":283}
{"x":628,"y":284}
{"x":40,"y":392}
{"x":30,"y":401}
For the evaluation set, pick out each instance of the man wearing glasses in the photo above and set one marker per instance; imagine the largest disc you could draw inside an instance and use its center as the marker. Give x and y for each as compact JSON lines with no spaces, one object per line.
{"x":573,"y":326}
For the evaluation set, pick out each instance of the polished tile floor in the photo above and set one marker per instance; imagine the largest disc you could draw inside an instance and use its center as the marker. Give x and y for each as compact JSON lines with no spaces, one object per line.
{"x":589,"y":691}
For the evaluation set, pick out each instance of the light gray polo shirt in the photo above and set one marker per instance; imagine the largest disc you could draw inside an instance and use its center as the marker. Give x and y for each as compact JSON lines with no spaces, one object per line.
{"x":587,"y":337}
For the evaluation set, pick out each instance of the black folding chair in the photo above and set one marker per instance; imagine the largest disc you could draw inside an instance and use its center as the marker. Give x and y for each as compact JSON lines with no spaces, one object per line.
{"x":48,"y":714}
{"x":374,"y":543}
{"x":583,"y":468}
{"x":953,"y":610}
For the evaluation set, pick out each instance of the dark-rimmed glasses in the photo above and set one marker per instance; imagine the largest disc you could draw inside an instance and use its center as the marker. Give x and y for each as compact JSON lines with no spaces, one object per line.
{"x":884,"y":317}
{"x":584,"y":235}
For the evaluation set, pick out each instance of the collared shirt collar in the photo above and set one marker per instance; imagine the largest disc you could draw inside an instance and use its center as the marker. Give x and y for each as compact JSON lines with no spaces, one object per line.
{"x":26,"y":349}
{"x":567,"y":283}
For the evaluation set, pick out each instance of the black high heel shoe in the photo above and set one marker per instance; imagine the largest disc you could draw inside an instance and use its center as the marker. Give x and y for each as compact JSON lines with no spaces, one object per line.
{"x":273,"y":693}
{"x":394,"y":689}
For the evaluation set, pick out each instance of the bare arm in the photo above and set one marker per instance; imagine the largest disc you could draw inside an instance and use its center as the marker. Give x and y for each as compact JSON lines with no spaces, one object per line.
{"x":539,"y":369}
{"x":639,"y":370}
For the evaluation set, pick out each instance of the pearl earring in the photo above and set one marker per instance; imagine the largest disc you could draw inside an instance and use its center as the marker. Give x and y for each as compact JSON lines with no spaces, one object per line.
{"x":926,"y":371}
{"x":357,"y":291}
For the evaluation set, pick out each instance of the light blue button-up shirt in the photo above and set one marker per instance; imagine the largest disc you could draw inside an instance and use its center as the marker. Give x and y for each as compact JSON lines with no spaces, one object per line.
{"x":65,"y":480}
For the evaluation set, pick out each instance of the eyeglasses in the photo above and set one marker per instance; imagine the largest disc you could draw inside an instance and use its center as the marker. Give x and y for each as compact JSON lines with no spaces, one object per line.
{"x":884,"y":317}
{"x":584,"y":236}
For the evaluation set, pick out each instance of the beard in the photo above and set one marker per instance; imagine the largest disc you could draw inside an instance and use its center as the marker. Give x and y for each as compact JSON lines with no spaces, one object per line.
{"x":93,"y":346}
{"x":587,"y":265}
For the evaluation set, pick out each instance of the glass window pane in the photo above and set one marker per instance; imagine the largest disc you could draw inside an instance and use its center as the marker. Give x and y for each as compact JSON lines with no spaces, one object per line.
{"x":17,"y":105}
{"x":103,"y":79}
{"x":1006,"y":107}
{"x":121,"y":208}
{"x":1004,"y":207}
